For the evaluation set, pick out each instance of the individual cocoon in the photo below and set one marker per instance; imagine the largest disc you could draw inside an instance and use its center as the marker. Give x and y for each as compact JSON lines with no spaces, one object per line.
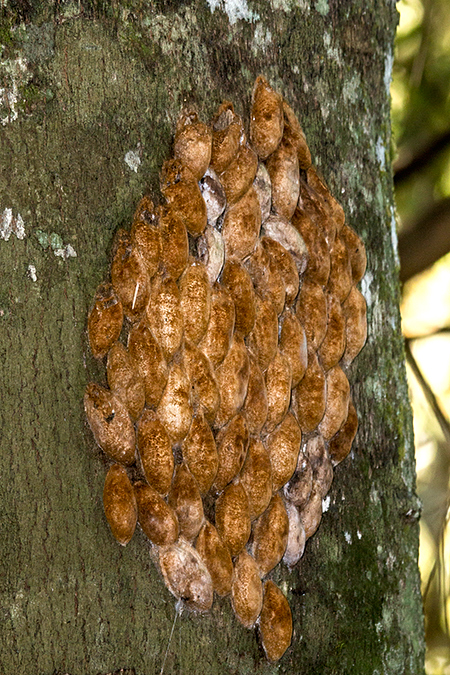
{"x":105,"y":320}
{"x":120,"y":505}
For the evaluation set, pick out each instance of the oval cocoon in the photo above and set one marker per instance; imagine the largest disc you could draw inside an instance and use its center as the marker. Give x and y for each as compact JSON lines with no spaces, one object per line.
{"x":216,"y":341}
{"x":270,"y":536}
{"x":195,"y":297}
{"x":186,"y":501}
{"x":232,"y":379}
{"x":158,"y":521}
{"x":246,"y":590}
{"x":119,"y":502}
{"x":232,"y":444}
{"x":105,"y":320}
{"x":150,"y":361}
{"x":155,"y":451}
{"x":186,"y":576}
{"x":283,"y":445}
{"x":204,"y":388}
{"x":241,"y":226}
{"x":200,"y":452}
{"x":275,"y":623}
{"x":233,"y":518}
{"x":174,"y":409}
{"x":216,"y":557}
{"x":110,"y":423}
{"x":256,"y":477}
{"x":164,"y":315}
{"x":255,"y":405}
{"x":124,"y":379}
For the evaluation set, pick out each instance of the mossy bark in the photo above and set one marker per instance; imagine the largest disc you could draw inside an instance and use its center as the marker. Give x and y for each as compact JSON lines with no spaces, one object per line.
{"x":84,"y":84}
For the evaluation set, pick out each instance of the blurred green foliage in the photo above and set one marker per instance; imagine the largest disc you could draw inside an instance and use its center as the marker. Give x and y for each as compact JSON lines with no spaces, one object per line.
{"x":421,"y":104}
{"x":421,"y":127}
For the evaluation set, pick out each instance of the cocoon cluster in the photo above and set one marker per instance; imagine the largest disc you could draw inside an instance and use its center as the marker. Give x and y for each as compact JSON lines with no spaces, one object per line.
{"x":227,"y":324}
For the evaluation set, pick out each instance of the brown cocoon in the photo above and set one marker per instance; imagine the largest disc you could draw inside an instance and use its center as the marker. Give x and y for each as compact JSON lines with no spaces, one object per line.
{"x":180,"y":187}
{"x":174,"y":241}
{"x":278,"y":384}
{"x":216,"y":341}
{"x":200,"y":452}
{"x":311,"y":311}
{"x":263,"y":339}
{"x":193,"y":141}
{"x":355,"y":310}
{"x":263,"y":189}
{"x":283,"y":169}
{"x":146,"y":236}
{"x":275,"y":623}
{"x":129,"y":276}
{"x":119,"y":502}
{"x":333,"y":345}
{"x":293,"y":345}
{"x":216,"y":557}
{"x":158,"y":521}
{"x":309,"y":396}
{"x":341,"y":444}
{"x":110,"y":423}
{"x":241,"y":225}
{"x":195,"y":299}
{"x":246,"y":590}
{"x":282,"y":260}
{"x":270,"y":536}
{"x":237,"y":281}
{"x":164,"y":315}
{"x":298,"y":489}
{"x":283,"y":445}
{"x":239,"y":174}
{"x":104,"y":321}
{"x":266,"y":118}
{"x":204,"y":388}
{"x":255,"y":405}
{"x":185,"y":499}
{"x":311,"y":513}
{"x":256,"y":477}
{"x":186,"y":575}
{"x":155,"y":451}
{"x":266,"y":278}
{"x":296,"y":538}
{"x":318,"y":252}
{"x":312,"y":204}
{"x":150,"y":361}
{"x":333,"y":207}
{"x":233,"y":517}
{"x":174,"y":409}
{"x":211,"y":252}
{"x":232,"y":379}
{"x":293,"y":134}
{"x":228,"y":130}
{"x":340,"y":281}
{"x":338,"y":395}
{"x":232,"y":444}
{"x":322,"y":468}
{"x":213,"y":195}
{"x":356,"y":251}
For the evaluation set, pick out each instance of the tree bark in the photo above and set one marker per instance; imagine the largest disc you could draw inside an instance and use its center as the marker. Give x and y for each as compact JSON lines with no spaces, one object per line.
{"x":83,"y":85}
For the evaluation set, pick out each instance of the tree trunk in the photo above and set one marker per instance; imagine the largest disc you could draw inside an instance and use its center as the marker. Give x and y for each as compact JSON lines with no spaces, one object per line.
{"x":84,"y":84}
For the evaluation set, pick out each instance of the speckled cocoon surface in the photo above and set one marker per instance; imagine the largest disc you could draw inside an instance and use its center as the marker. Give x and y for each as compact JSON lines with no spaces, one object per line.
{"x":230,"y":404}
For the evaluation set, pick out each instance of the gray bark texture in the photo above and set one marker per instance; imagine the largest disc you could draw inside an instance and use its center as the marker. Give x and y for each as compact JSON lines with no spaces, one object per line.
{"x":82,"y":84}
